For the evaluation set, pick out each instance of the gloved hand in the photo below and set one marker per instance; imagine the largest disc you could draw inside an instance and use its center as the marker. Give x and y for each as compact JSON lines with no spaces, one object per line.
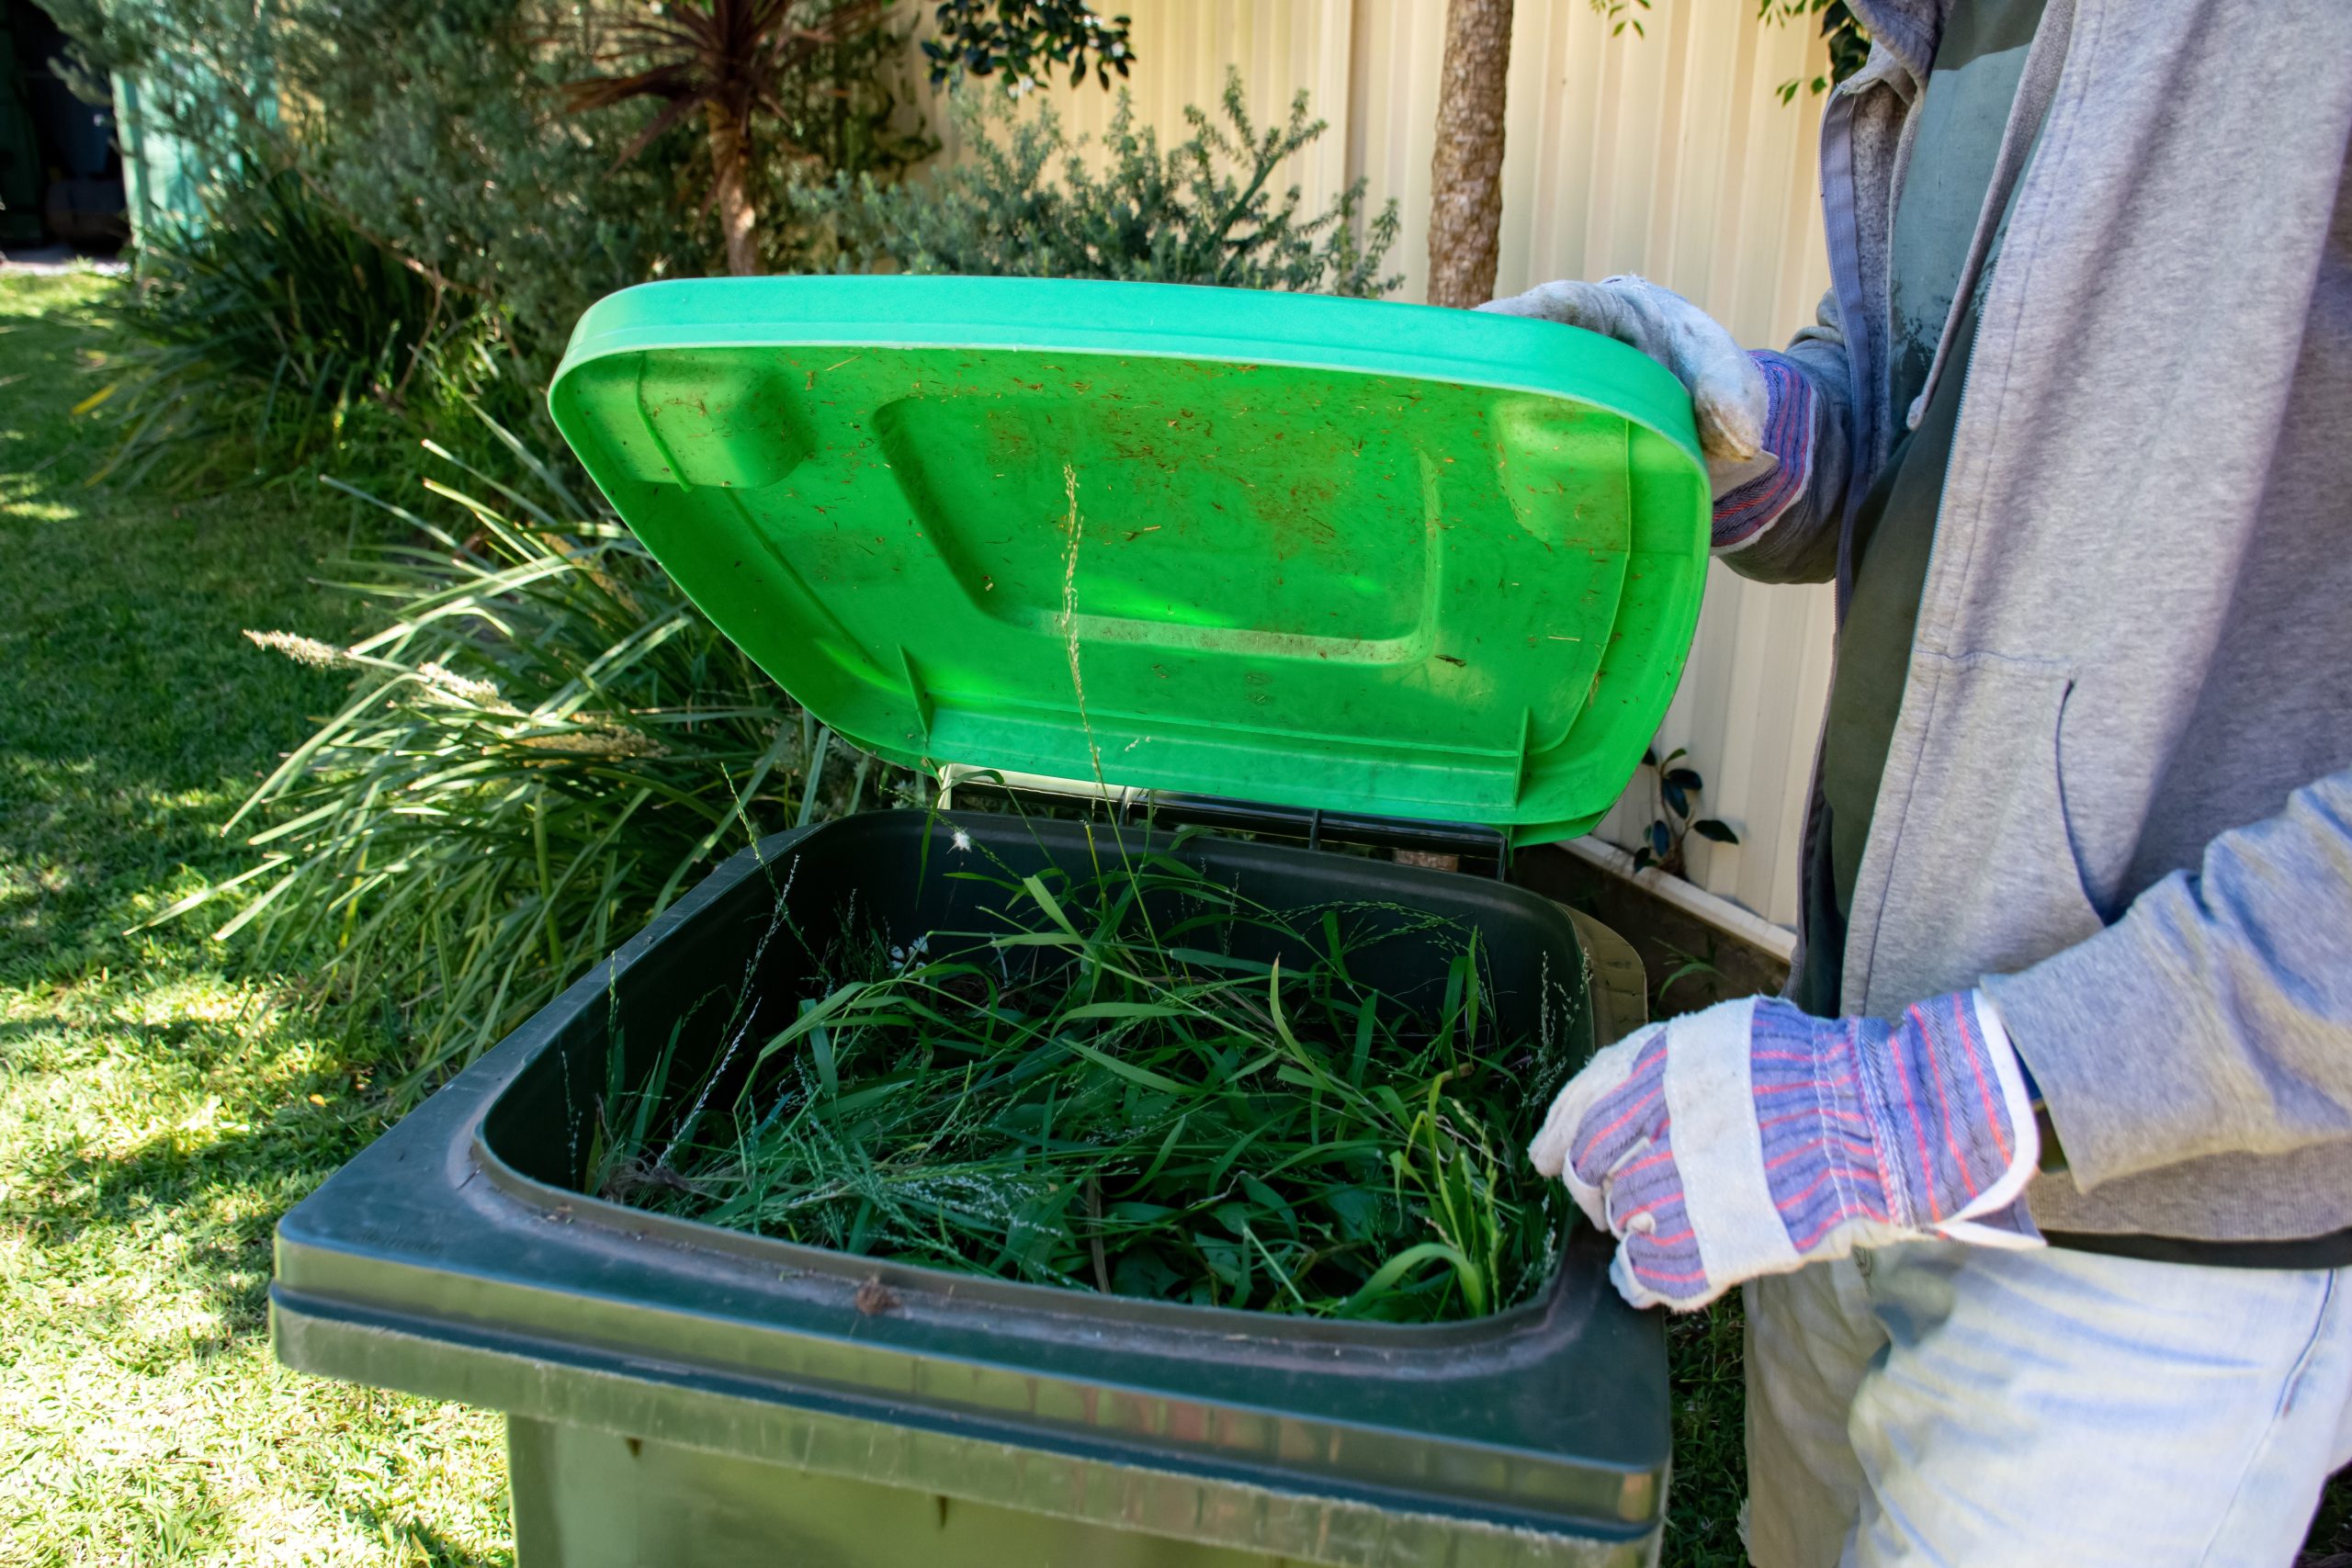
{"x":1726,"y":389}
{"x":1753,"y":1138}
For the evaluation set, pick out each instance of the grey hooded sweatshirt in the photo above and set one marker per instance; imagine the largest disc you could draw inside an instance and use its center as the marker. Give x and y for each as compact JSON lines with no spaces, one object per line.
{"x":2119,"y":792}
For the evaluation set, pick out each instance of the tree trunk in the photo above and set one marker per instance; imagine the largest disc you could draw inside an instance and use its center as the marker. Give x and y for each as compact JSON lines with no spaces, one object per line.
{"x":1466,"y":175}
{"x":729,"y":174}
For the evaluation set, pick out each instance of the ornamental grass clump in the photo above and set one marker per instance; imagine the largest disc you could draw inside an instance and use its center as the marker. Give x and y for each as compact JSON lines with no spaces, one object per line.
{"x":1135,"y":1081}
{"x":544,"y":744}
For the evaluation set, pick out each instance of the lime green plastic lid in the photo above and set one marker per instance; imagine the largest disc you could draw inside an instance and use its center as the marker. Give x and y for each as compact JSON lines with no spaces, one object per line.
{"x":1279,"y":548}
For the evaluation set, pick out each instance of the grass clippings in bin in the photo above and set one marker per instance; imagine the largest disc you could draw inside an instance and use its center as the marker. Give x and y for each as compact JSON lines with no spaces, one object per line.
{"x":1102,"y":1094}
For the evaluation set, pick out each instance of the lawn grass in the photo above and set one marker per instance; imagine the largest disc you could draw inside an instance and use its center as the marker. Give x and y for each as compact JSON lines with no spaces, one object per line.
{"x":158,"y":1109}
{"x":1709,"y":1410}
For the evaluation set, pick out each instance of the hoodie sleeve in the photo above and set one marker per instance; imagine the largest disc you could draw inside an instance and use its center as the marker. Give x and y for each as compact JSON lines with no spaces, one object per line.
{"x":1776,"y":517}
{"x":2215,"y":1017}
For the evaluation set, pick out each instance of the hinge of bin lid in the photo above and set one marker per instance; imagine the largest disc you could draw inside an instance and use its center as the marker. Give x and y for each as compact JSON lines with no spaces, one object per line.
{"x":1475,"y":845}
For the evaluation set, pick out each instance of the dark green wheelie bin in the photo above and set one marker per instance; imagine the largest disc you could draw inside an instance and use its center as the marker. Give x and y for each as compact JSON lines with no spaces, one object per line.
{"x":1329,"y":570}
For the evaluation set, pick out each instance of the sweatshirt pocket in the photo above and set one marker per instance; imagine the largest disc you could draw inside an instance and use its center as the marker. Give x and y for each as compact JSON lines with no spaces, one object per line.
{"x":1980,"y":873}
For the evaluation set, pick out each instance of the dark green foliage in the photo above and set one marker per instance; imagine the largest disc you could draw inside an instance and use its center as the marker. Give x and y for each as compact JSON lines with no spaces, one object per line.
{"x":1677,"y":795}
{"x":1116,"y":1089}
{"x":1849,"y":43}
{"x":2330,"y":1543}
{"x":428,"y":123}
{"x":1025,"y":40}
{"x":843,"y":111}
{"x":274,"y":333}
{"x":743,"y":56}
{"x":435,"y":128}
{"x":544,"y":743}
{"x":1204,"y":211}
{"x":735,"y":70}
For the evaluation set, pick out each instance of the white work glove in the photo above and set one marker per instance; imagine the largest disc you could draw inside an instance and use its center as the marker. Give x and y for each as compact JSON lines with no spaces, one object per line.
{"x":1728,"y":390}
{"x":1753,"y":1138}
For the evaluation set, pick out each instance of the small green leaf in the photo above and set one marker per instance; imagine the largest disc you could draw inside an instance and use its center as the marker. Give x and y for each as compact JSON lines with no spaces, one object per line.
{"x":1127,"y":1070}
{"x":1046,"y":902}
{"x":1124,"y":1010}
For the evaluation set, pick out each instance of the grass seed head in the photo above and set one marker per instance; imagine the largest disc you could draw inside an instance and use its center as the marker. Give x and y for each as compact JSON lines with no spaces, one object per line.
{"x":308,"y":651}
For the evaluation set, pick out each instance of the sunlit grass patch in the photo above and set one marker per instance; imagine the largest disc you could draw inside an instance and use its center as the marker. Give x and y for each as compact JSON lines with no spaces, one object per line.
{"x":151,"y":1130}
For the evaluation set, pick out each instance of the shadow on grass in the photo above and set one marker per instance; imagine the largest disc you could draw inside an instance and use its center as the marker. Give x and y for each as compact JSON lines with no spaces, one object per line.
{"x":189,"y":1175}
{"x":133,"y":716}
{"x":417,"y":1544}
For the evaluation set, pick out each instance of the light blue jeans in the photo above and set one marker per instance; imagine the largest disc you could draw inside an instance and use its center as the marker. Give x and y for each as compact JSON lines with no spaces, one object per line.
{"x":1941,"y":1403}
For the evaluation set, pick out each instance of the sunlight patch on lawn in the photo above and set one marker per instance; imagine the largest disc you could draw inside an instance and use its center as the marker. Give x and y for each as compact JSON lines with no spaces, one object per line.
{"x":152,"y":1129}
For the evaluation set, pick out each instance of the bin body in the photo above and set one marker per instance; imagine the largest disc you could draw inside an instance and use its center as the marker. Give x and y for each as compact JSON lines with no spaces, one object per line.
{"x":585,"y":1498}
{"x":679,"y":1393}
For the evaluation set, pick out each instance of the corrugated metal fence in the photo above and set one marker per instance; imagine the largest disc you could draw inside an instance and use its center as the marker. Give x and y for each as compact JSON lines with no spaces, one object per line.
{"x":1669,"y":154}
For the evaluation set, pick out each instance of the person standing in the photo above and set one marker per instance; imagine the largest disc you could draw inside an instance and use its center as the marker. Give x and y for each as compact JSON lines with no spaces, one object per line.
{"x":2039,"y":1179}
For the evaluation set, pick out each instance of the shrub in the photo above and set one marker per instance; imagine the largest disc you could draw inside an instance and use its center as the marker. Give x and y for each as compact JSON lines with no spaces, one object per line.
{"x":547,"y":741}
{"x":1204,"y":211}
{"x":437,"y":127}
{"x":273,"y":334}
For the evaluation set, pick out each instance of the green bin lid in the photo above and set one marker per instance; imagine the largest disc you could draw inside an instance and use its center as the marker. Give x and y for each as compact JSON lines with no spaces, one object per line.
{"x":1281,"y":548}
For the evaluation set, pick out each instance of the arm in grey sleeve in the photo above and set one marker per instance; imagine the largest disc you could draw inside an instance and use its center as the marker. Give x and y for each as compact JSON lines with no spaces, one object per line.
{"x":1777,"y":518}
{"x":2216,"y":1016}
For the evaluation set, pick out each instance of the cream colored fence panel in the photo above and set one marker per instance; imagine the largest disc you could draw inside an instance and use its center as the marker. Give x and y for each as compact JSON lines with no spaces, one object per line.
{"x":1668,"y":154}
{"x":1671,"y":155}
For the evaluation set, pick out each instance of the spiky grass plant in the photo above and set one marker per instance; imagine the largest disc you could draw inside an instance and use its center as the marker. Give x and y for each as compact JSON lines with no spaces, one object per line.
{"x":543,"y":744}
{"x":1106,"y":1092}
{"x":273,"y":334}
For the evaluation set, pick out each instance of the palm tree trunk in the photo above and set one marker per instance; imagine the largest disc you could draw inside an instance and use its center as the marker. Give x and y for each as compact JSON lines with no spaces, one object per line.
{"x":730,"y":172}
{"x":1467,"y":175}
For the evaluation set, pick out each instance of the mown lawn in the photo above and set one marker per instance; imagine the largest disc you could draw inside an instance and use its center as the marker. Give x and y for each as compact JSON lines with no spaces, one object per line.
{"x":159,"y":1110}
